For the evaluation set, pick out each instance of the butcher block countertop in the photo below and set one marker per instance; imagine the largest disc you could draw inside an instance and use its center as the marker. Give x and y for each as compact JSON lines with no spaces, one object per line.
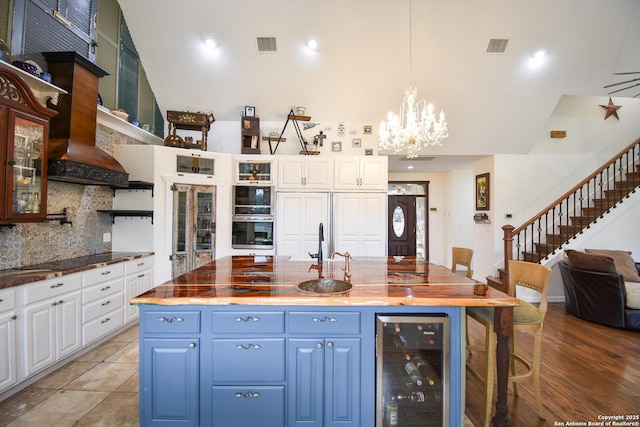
{"x":377,"y":281}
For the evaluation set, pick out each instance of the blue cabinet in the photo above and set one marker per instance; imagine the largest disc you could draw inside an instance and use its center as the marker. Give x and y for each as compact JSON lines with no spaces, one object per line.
{"x":284,"y":366}
{"x":169,"y":378}
{"x":325,"y":386}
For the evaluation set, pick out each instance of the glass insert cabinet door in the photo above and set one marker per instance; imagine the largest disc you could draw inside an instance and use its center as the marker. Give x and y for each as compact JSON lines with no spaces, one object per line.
{"x":26,"y":160}
{"x":193,"y":227}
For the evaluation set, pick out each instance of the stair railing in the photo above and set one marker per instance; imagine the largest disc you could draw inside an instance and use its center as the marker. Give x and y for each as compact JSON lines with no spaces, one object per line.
{"x":576,"y":210}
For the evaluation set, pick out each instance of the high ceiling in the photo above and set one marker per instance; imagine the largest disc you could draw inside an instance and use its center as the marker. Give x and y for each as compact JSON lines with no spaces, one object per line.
{"x":495,"y":102}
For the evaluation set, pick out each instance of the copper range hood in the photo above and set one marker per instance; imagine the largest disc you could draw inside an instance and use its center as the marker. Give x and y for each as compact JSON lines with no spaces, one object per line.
{"x":73,"y":155}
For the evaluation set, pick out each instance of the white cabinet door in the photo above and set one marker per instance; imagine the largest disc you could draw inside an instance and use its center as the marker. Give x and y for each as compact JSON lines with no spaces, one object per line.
{"x":360,"y":223}
{"x":40,"y":339}
{"x":301,"y":173}
{"x":52,"y":330}
{"x":361,"y":173}
{"x":8,"y":351}
{"x":134,"y":286}
{"x":298,"y":220}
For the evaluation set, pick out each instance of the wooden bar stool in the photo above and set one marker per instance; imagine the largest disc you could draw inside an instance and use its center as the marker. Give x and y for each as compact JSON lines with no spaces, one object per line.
{"x":526,"y":317}
{"x":461,"y":256}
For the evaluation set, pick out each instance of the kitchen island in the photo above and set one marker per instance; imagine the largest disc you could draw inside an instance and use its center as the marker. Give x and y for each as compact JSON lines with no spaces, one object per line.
{"x":236,"y":343}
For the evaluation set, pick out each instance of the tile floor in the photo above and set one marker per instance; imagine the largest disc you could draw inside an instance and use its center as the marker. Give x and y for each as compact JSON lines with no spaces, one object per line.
{"x":99,"y":388}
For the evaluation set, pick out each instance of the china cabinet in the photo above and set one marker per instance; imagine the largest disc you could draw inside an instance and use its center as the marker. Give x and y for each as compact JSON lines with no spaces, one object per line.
{"x":24,"y":131}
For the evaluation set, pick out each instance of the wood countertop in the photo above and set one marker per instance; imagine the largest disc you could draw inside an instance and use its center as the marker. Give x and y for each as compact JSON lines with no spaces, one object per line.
{"x":377,"y":281}
{"x":34,"y":273}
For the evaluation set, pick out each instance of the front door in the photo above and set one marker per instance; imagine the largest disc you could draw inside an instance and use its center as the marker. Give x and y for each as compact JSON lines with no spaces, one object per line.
{"x":402,"y":225}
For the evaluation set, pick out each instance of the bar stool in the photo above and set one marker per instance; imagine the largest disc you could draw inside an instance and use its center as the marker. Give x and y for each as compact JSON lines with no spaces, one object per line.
{"x":526,"y":317}
{"x":461,"y":256}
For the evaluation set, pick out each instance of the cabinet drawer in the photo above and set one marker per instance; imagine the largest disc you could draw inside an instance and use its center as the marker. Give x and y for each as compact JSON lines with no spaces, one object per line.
{"x":248,"y":359}
{"x":248,"y":406}
{"x":335,"y":323}
{"x":168,"y":322}
{"x":7,"y":300}
{"x":137,"y":265}
{"x":101,"y":290}
{"x":101,"y":274}
{"x":102,"y":326}
{"x":51,"y":288}
{"x":248,"y":322}
{"x":98,"y":308}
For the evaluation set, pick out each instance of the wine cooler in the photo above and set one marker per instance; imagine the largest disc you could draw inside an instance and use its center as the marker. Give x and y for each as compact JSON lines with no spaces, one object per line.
{"x":412,"y":370}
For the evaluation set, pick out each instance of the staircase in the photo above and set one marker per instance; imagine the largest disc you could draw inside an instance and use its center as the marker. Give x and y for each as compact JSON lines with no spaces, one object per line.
{"x":578,"y":209}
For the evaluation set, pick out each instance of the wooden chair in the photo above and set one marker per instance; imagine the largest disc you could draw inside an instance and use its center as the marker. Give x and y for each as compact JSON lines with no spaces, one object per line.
{"x":526,"y":317}
{"x":462,"y":256}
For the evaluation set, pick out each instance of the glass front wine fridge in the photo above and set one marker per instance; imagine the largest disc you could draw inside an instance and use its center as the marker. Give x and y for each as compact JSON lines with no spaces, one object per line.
{"x":412,"y":370}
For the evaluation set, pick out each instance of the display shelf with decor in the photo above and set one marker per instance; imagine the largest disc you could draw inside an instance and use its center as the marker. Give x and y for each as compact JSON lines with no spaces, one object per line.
{"x":190,"y":121}
{"x":250,"y":131}
{"x":294,"y":118}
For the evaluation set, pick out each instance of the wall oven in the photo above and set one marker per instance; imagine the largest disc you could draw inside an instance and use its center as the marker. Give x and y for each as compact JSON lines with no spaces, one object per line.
{"x":252,"y":225}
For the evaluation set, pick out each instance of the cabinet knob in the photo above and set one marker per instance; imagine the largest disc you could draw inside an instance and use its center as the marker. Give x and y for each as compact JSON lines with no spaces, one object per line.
{"x":14,"y":317}
{"x":319,"y":345}
{"x":330,"y":344}
{"x":192,"y":345}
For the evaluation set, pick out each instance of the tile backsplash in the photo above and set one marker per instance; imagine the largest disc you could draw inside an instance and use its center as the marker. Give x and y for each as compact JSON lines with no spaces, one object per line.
{"x":35,"y":243}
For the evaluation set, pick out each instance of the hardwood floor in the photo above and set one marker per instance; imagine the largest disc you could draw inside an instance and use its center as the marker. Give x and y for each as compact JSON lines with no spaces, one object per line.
{"x":588,"y":371}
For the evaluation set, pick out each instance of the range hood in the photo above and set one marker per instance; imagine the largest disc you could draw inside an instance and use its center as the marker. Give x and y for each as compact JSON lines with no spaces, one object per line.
{"x":73,"y":155}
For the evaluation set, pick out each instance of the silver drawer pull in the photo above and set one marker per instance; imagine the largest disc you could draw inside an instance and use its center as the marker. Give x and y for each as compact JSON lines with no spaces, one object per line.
{"x":247,"y":394}
{"x":248,"y":347}
{"x":106,"y":303}
{"x":248,"y":319}
{"x":173,"y":319}
{"x":104,"y":273}
{"x":106,"y":320}
{"x":57,"y":285}
{"x":325,"y":319}
{"x":140,"y":264}
{"x":106,"y":288}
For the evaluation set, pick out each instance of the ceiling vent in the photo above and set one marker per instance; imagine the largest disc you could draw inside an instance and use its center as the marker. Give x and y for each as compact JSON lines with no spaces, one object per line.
{"x":497,"y":45}
{"x":417,"y":159}
{"x":266,"y":44}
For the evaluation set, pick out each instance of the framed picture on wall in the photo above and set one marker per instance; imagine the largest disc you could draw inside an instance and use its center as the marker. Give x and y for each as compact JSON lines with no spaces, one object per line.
{"x":482,"y":192}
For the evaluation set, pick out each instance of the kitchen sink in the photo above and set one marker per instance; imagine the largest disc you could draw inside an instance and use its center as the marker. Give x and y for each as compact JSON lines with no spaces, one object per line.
{"x":325,"y":286}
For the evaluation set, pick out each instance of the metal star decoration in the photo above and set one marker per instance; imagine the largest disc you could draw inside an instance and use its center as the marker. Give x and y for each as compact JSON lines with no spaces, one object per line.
{"x":612,"y":110}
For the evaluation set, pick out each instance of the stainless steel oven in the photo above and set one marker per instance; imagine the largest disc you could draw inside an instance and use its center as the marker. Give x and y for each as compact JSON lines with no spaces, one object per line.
{"x":252,"y":232}
{"x":252,"y":226}
{"x":253,"y":200}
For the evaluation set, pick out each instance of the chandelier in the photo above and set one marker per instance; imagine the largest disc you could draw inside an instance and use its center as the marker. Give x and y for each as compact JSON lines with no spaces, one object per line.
{"x":416,"y":126}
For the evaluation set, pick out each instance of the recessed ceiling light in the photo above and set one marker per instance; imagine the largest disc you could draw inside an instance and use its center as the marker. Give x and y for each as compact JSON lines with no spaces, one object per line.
{"x":210,"y":44}
{"x":312,"y":44}
{"x":410,"y":167}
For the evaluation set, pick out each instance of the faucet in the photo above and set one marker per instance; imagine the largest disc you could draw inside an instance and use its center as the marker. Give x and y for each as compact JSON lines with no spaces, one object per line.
{"x":346,"y":268}
{"x":320,"y":240}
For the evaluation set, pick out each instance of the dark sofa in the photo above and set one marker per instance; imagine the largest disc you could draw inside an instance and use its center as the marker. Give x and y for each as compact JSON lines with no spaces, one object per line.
{"x":598,"y":296}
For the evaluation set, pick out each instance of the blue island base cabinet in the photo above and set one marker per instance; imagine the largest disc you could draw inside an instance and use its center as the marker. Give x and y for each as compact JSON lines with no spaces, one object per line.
{"x":271,"y":366}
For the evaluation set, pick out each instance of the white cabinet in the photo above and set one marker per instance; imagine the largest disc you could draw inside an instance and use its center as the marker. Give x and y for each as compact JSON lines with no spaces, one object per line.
{"x":8,"y":349}
{"x":361,"y":173}
{"x":138,"y":279}
{"x":51,"y":321}
{"x":102,"y":301}
{"x":304,"y":173}
{"x":361,"y":223}
{"x":298,"y":219}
